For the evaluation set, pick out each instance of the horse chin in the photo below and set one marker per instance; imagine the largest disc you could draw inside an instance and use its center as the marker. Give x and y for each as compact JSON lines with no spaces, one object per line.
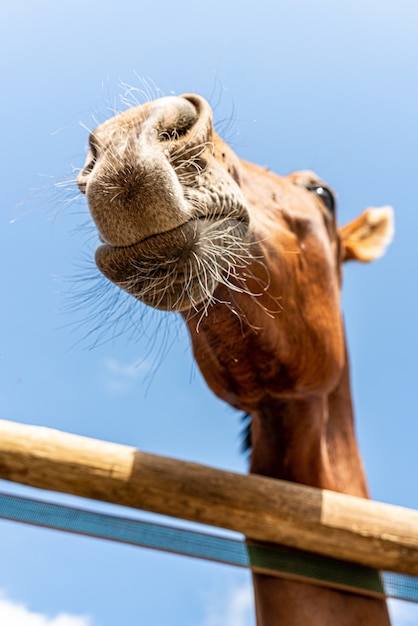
{"x":178,"y":270}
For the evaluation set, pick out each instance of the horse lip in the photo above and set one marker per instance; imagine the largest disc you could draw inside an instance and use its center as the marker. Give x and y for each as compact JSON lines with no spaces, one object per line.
{"x":105,"y":244}
{"x":213,"y":218}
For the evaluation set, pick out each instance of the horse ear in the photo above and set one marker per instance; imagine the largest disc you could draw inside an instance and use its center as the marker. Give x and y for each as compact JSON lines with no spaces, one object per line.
{"x":367,"y":237}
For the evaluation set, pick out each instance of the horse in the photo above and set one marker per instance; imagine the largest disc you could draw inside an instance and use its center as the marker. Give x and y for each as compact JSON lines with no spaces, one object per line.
{"x":253,"y":263}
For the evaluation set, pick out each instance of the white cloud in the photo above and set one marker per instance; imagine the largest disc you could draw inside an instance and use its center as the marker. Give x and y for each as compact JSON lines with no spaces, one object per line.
{"x":126,"y":370}
{"x":17,"y":614}
{"x":120,"y":376}
{"x":236,"y":608}
{"x":403,"y":613}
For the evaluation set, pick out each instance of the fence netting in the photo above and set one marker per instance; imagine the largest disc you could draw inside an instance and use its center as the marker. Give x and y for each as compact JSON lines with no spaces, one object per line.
{"x":261,"y":558}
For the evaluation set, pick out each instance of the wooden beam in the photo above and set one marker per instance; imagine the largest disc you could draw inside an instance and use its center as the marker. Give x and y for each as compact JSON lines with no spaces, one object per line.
{"x":324,"y":522}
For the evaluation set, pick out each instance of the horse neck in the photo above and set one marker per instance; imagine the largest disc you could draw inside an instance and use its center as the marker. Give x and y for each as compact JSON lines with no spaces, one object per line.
{"x":311,"y":440}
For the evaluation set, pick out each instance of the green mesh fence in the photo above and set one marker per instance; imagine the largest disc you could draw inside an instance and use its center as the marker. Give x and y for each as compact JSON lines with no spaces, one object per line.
{"x":271,"y":560}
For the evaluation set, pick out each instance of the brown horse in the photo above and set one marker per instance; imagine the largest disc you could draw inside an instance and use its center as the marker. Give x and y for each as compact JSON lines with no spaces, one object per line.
{"x":253,"y":262}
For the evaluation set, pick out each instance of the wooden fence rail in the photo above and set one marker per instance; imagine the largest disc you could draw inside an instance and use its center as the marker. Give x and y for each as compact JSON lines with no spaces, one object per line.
{"x":324,"y":522}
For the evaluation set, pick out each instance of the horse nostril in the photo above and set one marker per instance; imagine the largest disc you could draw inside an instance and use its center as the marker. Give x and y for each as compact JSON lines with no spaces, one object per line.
{"x":178,"y":121}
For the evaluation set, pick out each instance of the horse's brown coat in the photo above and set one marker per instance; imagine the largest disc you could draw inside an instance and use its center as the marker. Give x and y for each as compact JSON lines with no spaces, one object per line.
{"x":253,"y":262}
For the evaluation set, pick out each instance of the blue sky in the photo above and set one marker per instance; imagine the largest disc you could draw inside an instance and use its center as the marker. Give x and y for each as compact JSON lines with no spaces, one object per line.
{"x":295,"y":85}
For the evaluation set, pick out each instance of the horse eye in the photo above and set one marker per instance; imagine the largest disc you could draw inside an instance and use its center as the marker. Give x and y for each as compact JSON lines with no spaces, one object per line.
{"x":326,"y":196}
